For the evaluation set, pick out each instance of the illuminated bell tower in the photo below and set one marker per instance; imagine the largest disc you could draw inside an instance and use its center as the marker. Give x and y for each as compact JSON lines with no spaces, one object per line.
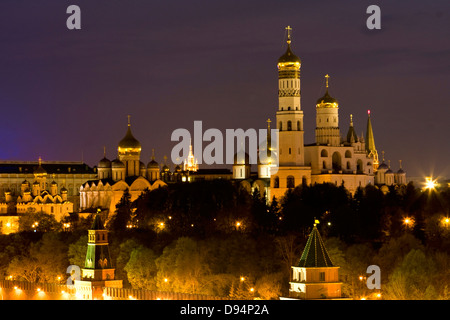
{"x":289,"y":116}
{"x":327,"y":119}
{"x":129,"y":152}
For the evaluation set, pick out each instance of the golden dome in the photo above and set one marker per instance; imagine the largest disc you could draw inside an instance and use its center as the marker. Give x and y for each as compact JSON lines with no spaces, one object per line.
{"x":327,"y":101}
{"x":289,"y":57}
{"x":129,"y":141}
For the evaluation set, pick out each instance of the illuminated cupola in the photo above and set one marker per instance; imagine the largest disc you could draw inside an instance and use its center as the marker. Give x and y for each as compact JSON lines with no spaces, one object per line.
{"x":104,"y":167}
{"x":327,"y":119}
{"x":289,"y":115}
{"x":129,"y":152}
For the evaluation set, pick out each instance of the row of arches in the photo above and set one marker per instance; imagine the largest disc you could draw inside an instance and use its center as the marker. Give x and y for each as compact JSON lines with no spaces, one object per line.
{"x":290,"y":182}
{"x":289,"y":126}
{"x":324,"y":153}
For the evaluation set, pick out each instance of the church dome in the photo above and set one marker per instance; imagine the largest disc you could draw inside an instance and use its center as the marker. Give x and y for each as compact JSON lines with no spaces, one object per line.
{"x":289,"y":57}
{"x":165,"y":168}
{"x":327,"y":101}
{"x":129,"y":141}
{"x":141,"y":165}
{"x":153,"y":165}
{"x":117,"y":164}
{"x":400,"y":171}
{"x":104,"y":163}
{"x":383,"y":166}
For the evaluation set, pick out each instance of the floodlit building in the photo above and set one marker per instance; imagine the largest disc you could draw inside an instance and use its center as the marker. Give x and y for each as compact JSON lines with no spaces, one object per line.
{"x":351,"y":161}
{"x":315,"y":276}
{"x":98,"y":271}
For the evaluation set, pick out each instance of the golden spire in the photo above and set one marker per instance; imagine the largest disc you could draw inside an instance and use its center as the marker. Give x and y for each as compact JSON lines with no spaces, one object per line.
{"x":289,"y":30}
{"x":129,"y":121}
{"x":268,"y":124}
{"x":351,"y":120}
{"x":382,"y":154}
{"x":40,"y":160}
{"x":326,"y":80}
{"x":104,"y":151}
{"x":153,"y":154}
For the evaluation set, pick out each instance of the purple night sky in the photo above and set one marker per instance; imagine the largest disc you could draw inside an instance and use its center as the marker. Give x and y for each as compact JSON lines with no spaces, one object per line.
{"x":64,"y":94}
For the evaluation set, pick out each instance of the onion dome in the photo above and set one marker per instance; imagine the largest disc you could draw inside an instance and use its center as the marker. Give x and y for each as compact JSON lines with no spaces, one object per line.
{"x":129,"y":142}
{"x":54,"y":183}
{"x":63,"y":189}
{"x":383,"y":166}
{"x":400,"y":171}
{"x":141,"y":165}
{"x":165,"y":168}
{"x":104,"y":163}
{"x":117,"y":164}
{"x":35,"y":183}
{"x":327,"y":101}
{"x":40,"y":170}
{"x":153,"y":165}
{"x":288,"y":58}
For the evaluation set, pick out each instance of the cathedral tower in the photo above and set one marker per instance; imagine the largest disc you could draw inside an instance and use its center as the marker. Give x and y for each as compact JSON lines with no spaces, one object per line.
{"x":289,"y":115}
{"x":129,"y":153}
{"x":327,"y":119}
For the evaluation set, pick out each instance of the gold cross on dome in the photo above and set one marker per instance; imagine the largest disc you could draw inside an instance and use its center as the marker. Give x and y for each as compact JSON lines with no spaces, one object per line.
{"x":326,"y":80}
{"x":289,"y":30}
{"x":129,"y":120}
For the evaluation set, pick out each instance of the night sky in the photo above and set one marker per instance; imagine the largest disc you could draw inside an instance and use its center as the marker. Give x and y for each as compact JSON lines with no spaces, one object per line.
{"x":65,"y":94}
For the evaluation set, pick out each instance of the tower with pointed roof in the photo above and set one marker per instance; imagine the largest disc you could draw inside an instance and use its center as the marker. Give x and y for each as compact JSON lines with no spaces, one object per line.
{"x":370,"y":143}
{"x":98,"y":271}
{"x":315,"y":276}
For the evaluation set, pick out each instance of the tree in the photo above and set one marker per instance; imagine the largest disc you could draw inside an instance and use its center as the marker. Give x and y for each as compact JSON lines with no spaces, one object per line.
{"x":77,"y":251}
{"x":183,"y":267}
{"x":413,"y":279}
{"x":122,"y":216}
{"x":45,"y":261}
{"x":141,"y":268}
{"x":269,"y":286}
{"x":38,"y":221}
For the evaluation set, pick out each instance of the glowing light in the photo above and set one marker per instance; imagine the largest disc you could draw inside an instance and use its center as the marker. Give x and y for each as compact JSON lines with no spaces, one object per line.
{"x":8,"y":224}
{"x":361,"y":278}
{"x":238,"y":224}
{"x":166,"y":280}
{"x":430,"y":184}
{"x":252,"y":289}
{"x":242,"y":278}
{"x":38,"y":289}
{"x":363,"y":298}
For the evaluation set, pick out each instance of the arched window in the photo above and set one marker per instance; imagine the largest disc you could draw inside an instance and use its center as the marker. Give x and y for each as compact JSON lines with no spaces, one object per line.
{"x":324,"y":153}
{"x":324,"y":165}
{"x":336,"y":159}
{"x":289,"y":125}
{"x":276,"y":182}
{"x":359,"y":166}
{"x":348,"y":154}
{"x":290,"y":182}
{"x":298,"y":126}
{"x":348,"y":165}
{"x":281,"y":126}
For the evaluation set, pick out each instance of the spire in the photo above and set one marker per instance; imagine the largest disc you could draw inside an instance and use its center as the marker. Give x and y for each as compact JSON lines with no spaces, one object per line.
{"x":370,"y":142}
{"x":153,"y":154}
{"x":315,"y":254}
{"x":351,"y":134}
{"x":129,"y":120}
{"x":289,"y":58}
{"x":269,"y":139}
{"x":326,"y":81}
